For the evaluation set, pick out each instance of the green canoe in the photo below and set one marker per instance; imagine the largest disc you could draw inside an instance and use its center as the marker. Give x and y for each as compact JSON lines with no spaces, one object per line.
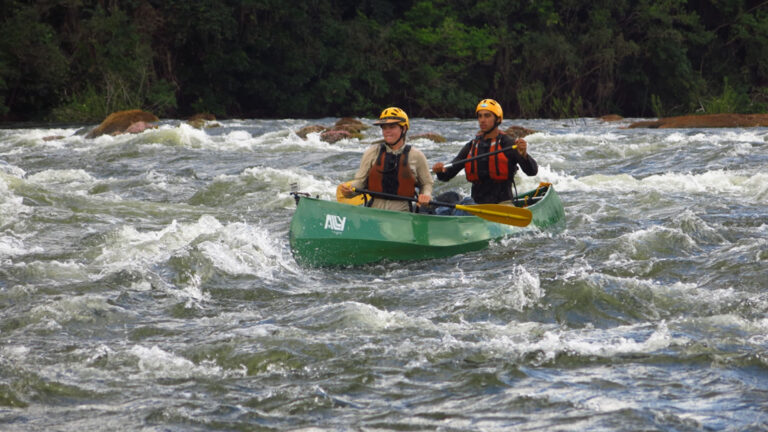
{"x":327,"y":233}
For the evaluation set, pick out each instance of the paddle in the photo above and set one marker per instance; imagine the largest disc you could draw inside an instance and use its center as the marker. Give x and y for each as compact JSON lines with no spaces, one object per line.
{"x":499,"y":213}
{"x":355,"y":200}
{"x":484,"y":155}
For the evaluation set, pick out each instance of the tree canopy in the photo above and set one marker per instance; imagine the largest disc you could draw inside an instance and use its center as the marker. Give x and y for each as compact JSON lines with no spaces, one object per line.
{"x":79,"y":60}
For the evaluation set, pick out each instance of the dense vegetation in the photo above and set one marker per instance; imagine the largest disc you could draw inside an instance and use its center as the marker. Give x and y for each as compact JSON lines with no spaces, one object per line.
{"x":79,"y":60}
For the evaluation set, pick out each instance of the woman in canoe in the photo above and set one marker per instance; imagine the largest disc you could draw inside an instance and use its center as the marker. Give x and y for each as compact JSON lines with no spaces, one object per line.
{"x":492,"y":177}
{"x":393,"y":167}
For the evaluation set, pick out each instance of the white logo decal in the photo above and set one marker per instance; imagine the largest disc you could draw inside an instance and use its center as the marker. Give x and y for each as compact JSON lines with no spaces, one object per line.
{"x":334,"y":222}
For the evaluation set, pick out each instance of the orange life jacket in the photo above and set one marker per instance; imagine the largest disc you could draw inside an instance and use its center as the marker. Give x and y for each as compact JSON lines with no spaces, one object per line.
{"x":391,"y":173}
{"x":498,"y":164}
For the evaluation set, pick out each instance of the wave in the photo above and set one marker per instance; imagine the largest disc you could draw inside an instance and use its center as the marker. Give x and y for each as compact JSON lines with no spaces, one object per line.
{"x":12,"y":206}
{"x":724,"y":183}
{"x":264,"y":188}
{"x":195,"y":252}
{"x":154,"y":362}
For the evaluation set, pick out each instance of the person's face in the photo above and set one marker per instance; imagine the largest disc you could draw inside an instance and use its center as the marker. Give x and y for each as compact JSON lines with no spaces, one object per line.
{"x":486,"y":120}
{"x":391,"y":132}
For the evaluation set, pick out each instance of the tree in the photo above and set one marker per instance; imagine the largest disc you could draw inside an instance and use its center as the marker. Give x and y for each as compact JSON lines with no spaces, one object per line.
{"x":33,"y":68}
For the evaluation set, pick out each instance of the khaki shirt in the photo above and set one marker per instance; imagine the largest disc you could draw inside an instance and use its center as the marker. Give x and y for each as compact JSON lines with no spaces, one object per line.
{"x":416,"y":160}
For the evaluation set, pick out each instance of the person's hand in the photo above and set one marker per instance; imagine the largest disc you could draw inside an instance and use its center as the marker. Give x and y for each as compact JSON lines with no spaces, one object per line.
{"x":346,"y":190}
{"x":424,"y":199}
{"x":522,"y":147}
{"x":438,"y":168}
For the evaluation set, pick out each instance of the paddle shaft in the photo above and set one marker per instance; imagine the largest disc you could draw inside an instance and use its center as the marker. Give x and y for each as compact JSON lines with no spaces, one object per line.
{"x":504,"y":214}
{"x":401,"y":197}
{"x":484,"y":155}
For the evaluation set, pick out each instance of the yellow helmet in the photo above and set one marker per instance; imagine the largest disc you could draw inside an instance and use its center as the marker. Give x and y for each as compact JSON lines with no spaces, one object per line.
{"x":492,"y":106}
{"x":394,"y":115}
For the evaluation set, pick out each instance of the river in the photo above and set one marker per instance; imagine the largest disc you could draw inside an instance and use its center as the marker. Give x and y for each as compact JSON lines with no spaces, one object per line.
{"x":147,"y":284}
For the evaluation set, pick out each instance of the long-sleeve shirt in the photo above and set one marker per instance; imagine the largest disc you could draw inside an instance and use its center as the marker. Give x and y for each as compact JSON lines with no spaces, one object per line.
{"x":487,"y":191}
{"x":416,"y":161}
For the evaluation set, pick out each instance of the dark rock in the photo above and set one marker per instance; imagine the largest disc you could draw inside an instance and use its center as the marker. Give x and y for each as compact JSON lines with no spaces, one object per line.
{"x":120,"y":121}
{"x":430,"y":136}
{"x":306,"y":130}
{"x":519,"y":131}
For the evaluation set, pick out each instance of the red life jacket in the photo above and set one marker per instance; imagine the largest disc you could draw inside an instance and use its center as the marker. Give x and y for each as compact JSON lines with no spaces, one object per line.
{"x":391,"y":173}
{"x":498,"y":164}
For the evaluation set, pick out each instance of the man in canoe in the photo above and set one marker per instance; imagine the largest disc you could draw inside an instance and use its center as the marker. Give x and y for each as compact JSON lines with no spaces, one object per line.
{"x":393,"y":167}
{"x":493,"y":176}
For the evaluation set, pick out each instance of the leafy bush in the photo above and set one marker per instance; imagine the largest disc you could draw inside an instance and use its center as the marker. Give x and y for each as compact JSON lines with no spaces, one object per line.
{"x":729,"y":101}
{"x":81,"y":60}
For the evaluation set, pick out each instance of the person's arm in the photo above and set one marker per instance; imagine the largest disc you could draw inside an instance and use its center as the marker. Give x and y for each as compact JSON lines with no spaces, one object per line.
{"x":521,"y":157}
{"x":445,"y":174}
{"x":423,"y":176}
{"x":528,"y":165}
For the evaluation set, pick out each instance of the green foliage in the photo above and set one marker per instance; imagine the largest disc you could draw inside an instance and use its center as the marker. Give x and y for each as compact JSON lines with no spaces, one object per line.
{"x":656,"y":106}
{"x":569,"y":106}
{"x":94,"y":64}
{"x":94,"y":104}
{"x":85,"y":106}
{"x":729,"y":101}
{"x":32,"y":66}
{"x":161,"y":97}
{"x":81,"y":60}
{"x":759,"y":99}
{"x":438,"y":59}
{"x":531,"y":99}
{"x":120,"y":72}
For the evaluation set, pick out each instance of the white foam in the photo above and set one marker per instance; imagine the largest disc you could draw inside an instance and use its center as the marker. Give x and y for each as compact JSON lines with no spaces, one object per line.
{"x":158,"y":363}
{"x":242,"y":249}
{"x":313,"y":142}
{"x":602,"y":136}
{"x":238,"y":135}
{"x":284,"y":179}
{"x":8,"y":171}
{"x":717,"y":183}
{"x":606,"y":343}
{"x":11,"y":206}
{"x":185,"y":135}
{"x":50,"y":271}
{"x":657,"y":239}
{"x":236,"y":248}
{"x":76,"y":181}
{"x":18,"y":353}
{"x":173,"y":135}
{"x":85,"y":308}
{"x":127,"y":247}
{"x":352,"y":316}
{"x":517,"y":289}
{"x":11,"y":246}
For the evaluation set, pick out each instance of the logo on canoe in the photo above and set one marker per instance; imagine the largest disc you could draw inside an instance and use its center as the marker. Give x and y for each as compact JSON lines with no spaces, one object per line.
{"x":334,"y":222}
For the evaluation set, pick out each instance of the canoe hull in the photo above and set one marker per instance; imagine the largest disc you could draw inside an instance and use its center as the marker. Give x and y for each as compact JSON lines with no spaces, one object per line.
{"x":327,"y":233}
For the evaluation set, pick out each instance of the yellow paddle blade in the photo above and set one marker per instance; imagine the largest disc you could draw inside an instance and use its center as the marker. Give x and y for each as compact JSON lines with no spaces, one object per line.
{"x":499,"y":213}
{"x":355,"y":200}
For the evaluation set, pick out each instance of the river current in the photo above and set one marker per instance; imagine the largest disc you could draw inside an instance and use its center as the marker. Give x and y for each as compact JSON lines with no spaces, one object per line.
{"x":146,"y":283}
